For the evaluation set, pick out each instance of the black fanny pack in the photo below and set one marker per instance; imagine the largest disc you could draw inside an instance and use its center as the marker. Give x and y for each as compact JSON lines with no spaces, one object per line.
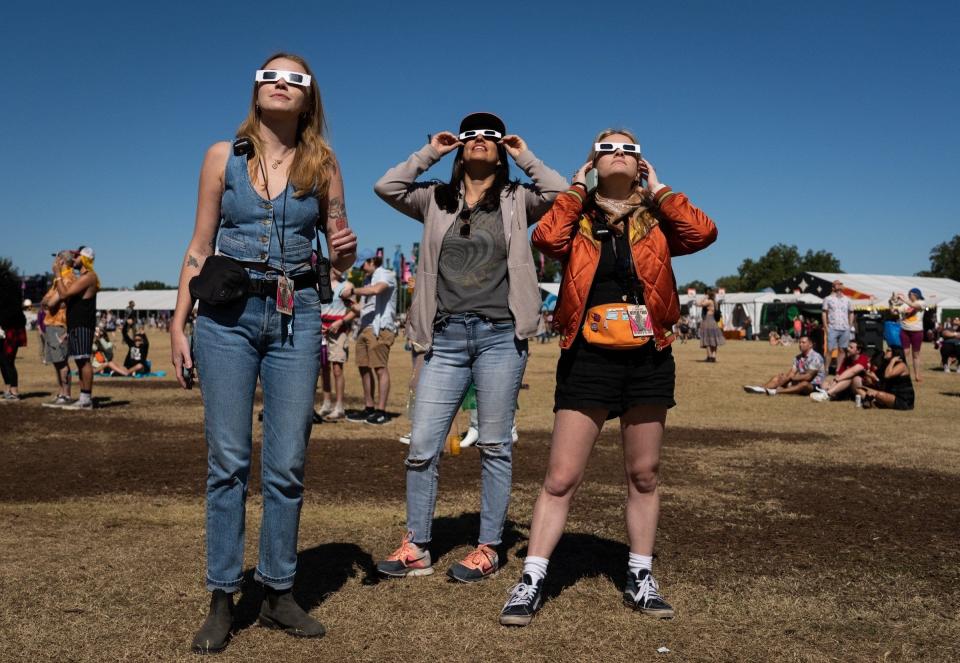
{"x":220,"y":281}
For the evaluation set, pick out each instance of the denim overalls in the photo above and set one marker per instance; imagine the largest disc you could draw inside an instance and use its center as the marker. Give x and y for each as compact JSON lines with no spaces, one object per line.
{"x":235,"y":345}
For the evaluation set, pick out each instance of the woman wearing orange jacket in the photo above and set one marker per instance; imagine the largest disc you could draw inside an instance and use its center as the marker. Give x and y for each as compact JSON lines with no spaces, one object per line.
{"x":618,"y":304}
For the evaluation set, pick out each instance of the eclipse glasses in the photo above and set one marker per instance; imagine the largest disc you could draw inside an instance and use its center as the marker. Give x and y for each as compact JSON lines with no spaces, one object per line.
{"x":292,"y":77}
{"x":489,"y":134}
{"x":626,"y":148}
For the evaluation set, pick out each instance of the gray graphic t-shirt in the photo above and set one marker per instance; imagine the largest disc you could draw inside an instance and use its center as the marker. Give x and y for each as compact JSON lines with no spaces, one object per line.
{"x":472,"y":274}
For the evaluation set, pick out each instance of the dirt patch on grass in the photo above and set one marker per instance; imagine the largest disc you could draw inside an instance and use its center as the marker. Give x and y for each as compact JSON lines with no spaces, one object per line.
{"x":790,"y":530}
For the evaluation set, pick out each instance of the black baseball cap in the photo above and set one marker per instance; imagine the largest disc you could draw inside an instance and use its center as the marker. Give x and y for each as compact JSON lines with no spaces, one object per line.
{"x":482,"y":121}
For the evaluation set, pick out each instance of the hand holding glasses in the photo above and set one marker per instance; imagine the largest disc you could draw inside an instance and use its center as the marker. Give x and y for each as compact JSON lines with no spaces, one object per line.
{"x":514,"y":145}
{"x":444,"y":142}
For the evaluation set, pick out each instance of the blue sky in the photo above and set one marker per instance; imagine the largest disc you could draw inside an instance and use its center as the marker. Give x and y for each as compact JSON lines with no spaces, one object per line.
{"x":830,"y":125}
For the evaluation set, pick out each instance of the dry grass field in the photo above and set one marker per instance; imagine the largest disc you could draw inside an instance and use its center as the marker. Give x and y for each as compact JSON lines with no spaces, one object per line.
{"x":790,"y":530}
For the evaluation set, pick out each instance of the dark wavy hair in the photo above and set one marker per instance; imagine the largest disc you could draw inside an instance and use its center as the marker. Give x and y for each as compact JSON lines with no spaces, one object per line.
{"x":447,"y":194}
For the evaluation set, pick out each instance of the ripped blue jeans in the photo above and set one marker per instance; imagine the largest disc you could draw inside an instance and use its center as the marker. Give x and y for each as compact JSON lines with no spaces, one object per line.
{"x":466,"y":348}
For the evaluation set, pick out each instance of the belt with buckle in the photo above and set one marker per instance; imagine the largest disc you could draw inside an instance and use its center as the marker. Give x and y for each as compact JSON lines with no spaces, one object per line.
{"x":261,"y":287}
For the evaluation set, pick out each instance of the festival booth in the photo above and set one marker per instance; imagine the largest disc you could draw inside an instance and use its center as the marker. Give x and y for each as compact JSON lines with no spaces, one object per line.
{"x":948,"y":308}
{"x":872,"y":291}
{"x":736,"y":306}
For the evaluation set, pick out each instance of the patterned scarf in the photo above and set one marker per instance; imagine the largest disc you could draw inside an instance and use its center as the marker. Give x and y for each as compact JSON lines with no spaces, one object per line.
{"x":618,"y":210}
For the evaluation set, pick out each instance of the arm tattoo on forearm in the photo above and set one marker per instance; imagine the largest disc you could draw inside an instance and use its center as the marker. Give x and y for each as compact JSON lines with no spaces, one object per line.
{"x":337,"y":212}
{"x":192,"y":262}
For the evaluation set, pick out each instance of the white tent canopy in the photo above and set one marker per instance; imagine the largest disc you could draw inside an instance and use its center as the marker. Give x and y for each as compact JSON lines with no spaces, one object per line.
{"x":144,"y":300}
{"x":752,"y":303}
{"x":946,"y":304}
{"x":551,"y":288}
{"x":880,"y":286}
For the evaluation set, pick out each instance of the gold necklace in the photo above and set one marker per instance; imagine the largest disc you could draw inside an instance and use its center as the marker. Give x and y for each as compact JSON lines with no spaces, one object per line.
{"x":276,"y":162}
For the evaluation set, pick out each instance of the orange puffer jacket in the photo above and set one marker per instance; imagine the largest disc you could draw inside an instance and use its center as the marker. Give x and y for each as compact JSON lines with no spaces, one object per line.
{"x":673,"y":228}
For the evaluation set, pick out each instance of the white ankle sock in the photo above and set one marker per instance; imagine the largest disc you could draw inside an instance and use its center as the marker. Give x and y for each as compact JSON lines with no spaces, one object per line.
{"x":85,"y":397}
{"x":639,"y":563}
{"x":536,"y":568}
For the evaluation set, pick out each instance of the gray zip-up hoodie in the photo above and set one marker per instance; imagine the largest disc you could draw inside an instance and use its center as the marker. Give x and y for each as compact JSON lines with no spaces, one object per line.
{"x":520,"y":207}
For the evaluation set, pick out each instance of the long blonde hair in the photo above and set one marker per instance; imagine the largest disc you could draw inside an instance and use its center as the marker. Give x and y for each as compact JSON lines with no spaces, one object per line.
{"x":314,"y":162}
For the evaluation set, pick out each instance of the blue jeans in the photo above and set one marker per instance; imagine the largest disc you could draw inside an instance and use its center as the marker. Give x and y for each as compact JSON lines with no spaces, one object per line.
{"x":234,"y":345}
{"x":465,"y":348}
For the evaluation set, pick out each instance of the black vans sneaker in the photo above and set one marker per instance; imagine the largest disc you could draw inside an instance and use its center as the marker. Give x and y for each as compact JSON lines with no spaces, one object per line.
{"x":643,"y":595}
{"x":377,"y":418}
{"x":524,"y":601}
{"x":359,"y":416}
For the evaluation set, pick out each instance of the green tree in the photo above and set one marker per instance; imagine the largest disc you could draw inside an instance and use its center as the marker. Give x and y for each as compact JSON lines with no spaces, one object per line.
{"x":696,"y":284}
{"x":820,"y":261}
{"x":8,"y":272}
{"x":729,"y":283}
{"x":781,"y":262}
{"x":551,"y":268}
{"x":152,"y":285}
{"x":945,"y":260}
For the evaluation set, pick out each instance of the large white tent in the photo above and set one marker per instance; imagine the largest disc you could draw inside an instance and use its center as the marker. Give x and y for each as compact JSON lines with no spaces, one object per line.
{"x":144,"y":300}
{"x":874,"y":290}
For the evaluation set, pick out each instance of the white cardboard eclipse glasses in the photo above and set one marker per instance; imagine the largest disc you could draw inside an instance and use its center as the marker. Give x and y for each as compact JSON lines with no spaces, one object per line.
{"x":627,"y":148}
{"x":486,"y":133}
{"x":292,"y":77}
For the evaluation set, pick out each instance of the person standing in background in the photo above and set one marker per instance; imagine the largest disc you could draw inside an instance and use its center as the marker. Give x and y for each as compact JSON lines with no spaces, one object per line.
{"x":13,"y":336}
{"x":838,"y":320}
{"x":56,"y":346}
{"x":378,"y":330}
{"x":80,"y":296}
{"x":336,"y":318}
{"x":711,"y":336}
{"x":910,"y":308}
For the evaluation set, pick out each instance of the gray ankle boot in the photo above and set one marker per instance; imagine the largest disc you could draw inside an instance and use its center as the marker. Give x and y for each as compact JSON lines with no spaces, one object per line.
{"x":215,"y":632}
{"x":280,"y":611}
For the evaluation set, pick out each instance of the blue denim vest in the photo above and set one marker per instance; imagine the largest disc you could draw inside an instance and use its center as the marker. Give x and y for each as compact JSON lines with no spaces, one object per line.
{"x":250,"y":225}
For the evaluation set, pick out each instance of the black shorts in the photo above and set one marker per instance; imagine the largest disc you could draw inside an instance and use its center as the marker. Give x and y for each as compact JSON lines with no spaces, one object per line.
{"x":81,"y":342}
{"x":615,"y":380}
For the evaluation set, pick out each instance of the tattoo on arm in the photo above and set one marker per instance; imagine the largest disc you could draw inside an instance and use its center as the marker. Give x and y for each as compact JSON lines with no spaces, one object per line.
{"x":337,"y":212}
{"x":192,"y":262}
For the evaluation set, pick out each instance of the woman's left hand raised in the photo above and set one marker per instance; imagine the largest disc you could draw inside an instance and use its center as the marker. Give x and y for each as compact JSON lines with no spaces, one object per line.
{"x":514,"y":145}
{"x":648,"y":173}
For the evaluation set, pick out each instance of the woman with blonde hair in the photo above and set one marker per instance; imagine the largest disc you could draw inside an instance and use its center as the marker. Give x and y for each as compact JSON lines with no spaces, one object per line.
{"x":615,"y":230}
{"x":262,"y":202}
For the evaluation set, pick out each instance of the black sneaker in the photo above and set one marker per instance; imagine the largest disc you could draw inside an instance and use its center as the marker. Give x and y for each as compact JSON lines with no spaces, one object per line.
{"x":359,"y":416}
{"x":524,"y":601}
{"x":377,"y":418}
{"x":317,"y":417}
{"x":643,"y":595}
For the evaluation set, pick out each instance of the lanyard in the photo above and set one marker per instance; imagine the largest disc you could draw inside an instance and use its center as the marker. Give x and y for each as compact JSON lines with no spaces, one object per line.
{"x":283,"y":214}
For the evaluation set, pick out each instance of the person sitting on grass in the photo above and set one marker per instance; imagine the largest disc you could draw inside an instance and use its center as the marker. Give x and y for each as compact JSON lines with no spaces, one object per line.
{"x":102,"y":356}
{"x":806,"y":374}
{"x":950,"y":345}
{"x":136,"y":362}
{"x":854,"y":364}
{"x":887,"y":382}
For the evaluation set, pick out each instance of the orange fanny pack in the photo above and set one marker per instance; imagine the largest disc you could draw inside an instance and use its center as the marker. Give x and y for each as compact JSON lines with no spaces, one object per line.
{"x":618,"y":326}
